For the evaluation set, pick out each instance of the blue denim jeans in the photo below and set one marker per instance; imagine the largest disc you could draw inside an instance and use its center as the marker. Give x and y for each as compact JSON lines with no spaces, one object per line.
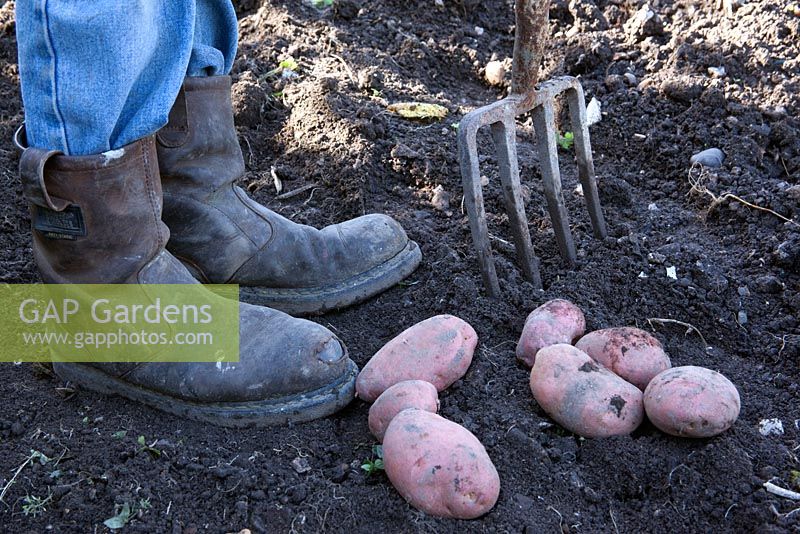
{"x":99,"y":74}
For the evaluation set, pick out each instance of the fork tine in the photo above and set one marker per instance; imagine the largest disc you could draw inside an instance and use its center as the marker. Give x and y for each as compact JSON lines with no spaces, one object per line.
{"x":583,"y":154}
{"x":505,"y":142}
{"x":473,"y":201}
{"x":544,"y":124}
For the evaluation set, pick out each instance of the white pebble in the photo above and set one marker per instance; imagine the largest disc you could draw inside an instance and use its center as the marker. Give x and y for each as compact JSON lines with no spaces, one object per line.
{"x":770,"y":427}
{"x":712,"y":157}
{"x":495,"y":72}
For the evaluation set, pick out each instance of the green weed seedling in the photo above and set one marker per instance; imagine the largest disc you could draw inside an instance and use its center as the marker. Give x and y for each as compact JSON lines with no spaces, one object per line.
{"x":40,"y":456}
{"x":566,"y":141}
{"x":374,"y":464}
{"x":321,"y":4}
{"x":121,"y":517}
{"x":123,"y":514}
{"x":288,"y":65}
{"x":143,"y":446}
{"x":34,"y":506}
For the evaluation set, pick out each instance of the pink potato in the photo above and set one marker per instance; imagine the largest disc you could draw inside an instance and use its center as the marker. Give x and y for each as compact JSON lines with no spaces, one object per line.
{"x":631,"y":353}
{"x":692,"y":402}
{"x":437,"y":350}
{"x":439,"y":467}
{"x":401,"y":396}
{"x":555,"y":321}
{"x":583,"y":396}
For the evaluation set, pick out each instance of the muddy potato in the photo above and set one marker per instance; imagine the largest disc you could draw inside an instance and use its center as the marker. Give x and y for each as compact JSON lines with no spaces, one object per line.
{"x":631,"y":353}
{"x":401,"y":396}
{"x":583,"y":396}
{"x":692,"y":402}
{"x":439,"y":467}
{"x":555,"y":321}
{"x":437,"y":350}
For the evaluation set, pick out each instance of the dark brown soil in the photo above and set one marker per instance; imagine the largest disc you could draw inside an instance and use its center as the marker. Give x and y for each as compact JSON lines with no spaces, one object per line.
{"x":738,"y":272}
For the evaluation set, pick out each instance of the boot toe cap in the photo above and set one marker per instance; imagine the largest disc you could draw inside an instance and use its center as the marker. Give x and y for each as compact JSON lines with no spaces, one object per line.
{"x":376,"y":237}
{"x":284,"y":355}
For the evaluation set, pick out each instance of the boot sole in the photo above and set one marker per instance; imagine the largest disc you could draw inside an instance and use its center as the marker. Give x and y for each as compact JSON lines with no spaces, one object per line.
{"x":316,"y":300}
{"x":279,"y":411}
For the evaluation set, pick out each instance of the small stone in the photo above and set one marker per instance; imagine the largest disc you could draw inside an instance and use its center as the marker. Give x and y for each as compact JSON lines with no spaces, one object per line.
{"x":743,"y":291}
{"x":643,"y":23}
{"x":630,"y":78}
{"x":440,"y":199}
{"x":716,"y":72}
{"x":301,"y":465}
{"x":770,"y":427}
{"x":17,"y":429}
{"x":712,"y":157}
{"x":741,"y":317}
{"x":657,"y":258}
{"x":495,"y":72}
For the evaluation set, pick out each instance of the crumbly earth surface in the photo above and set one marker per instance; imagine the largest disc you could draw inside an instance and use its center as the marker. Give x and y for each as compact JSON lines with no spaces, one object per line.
{"x":737,"y":273}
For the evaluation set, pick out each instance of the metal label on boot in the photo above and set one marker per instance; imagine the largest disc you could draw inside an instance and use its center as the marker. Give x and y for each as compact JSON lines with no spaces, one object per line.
{"x":67,"y":224}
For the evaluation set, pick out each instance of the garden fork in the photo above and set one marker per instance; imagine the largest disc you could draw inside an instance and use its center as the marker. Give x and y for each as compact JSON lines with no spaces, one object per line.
{"x":531,"y":36}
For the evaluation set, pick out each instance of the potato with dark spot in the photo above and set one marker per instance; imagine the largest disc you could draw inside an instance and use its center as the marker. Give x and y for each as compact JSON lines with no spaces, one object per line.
{"x":692,"y":402}
{"x":583,"y":396}
{"x":401,"y":396}
{"x":437,"y":350}
{"x":439,"y":467}
{"x":555,"y":321}
{"x":631,"y":353}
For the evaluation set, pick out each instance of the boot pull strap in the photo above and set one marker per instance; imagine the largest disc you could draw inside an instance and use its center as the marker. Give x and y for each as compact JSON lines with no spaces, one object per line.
{"x":176,"y":132}
{"x":31,"y":171}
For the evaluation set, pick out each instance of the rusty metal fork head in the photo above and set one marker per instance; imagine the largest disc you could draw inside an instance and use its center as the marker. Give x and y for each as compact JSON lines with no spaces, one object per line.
{"x":525,"y":96}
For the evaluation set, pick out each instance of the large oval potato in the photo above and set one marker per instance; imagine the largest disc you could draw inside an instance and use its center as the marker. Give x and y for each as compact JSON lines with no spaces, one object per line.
{"x":439,"y":467}
{"x":401,"y":396}
{"x":555,"y":321}
{"x":631,"y":353}
{"x":583,"y":396}
{"x":437,"y":350}
{"x":692,"y":402}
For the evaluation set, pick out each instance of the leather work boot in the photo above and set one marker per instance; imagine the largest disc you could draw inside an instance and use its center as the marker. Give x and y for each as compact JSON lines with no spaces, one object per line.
{"x":222,"y":236}
{"x":97,"y":219}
